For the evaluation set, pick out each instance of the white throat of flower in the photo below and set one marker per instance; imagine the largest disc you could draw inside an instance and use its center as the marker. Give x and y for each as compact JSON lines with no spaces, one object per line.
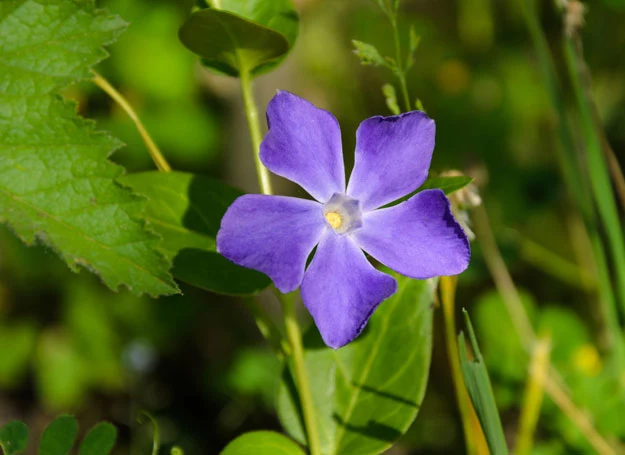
{"x":342,"y":213}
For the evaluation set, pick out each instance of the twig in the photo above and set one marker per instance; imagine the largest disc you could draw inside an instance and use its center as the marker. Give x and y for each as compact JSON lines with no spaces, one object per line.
{"x":155,"y":153}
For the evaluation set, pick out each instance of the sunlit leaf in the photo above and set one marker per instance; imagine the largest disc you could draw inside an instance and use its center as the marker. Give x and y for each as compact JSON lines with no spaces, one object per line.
{"x":367,"y":393}
{"x":186,"y":210}
{"x":59,"y":436}
{"x":262,"y":443}
{"x":13,"y":437}
{"x":56,"y":185}
{"x":252,"y":36}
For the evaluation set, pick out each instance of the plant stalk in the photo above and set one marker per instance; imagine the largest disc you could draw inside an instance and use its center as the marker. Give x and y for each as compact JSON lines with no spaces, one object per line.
{"x":597,"y":167}
{"x":294,"y":336}
{"x":158,"y":158}
{"x":533,"y":399}
{"x":254,"y":126}
{"x":293,"y":332}
{"x":399,"y":67}
{"x":474,"y":439}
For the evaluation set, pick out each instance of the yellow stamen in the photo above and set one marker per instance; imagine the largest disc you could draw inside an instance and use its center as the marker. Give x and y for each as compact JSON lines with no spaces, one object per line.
{"x":334,"y":219}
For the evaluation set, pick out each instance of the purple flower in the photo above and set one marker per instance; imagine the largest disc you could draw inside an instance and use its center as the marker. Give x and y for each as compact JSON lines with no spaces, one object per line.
{"x":418,"y":238}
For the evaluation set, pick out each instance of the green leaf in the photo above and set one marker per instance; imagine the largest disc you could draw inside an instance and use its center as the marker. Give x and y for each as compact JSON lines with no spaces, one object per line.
{"x":367,"y":393}
{"x":478,"y":385}
{"x":447,"y":184}
{"x":262,"y":443}
{"x":13,"y":438}
{"x":56,"y":184}
{"x":368,"y":54}
{"x":186,"y":211}
{"x":252,"y":36}
{"x":58,"y":437}
{"x":100,"y":440}
{"x":390,"y":95}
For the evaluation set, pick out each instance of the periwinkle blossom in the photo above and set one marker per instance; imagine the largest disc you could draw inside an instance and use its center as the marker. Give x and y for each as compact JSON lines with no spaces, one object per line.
{"x":418,"y":237}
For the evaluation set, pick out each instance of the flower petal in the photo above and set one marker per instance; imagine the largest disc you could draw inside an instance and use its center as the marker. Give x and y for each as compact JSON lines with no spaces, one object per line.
{"x":303,"y":144}
{"x":341,"y":289}
{"x":419,"y":238}
{"x":392,"y":159}
{"x":272,"y":234}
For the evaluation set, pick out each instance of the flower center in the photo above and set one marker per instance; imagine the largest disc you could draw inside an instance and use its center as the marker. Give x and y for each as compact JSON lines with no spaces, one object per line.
{"x":343,"y":213}
{"x":334,"y":219}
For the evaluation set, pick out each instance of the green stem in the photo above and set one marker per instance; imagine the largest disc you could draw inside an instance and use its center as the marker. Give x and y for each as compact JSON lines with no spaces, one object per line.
{"x":552,"y":263}
{"x":576,"y":182}
{"x":293,"y":331}
{"x":599,"y":175}
{"x":145,"y":417}
{"x":399,"y":68}
{"x":294,"y":336}
{"x":254,"y":126}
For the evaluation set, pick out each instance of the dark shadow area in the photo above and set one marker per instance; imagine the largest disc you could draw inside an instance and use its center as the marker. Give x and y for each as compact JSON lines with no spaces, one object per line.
{"x":390,"y":396}
{"x":372,"y":429}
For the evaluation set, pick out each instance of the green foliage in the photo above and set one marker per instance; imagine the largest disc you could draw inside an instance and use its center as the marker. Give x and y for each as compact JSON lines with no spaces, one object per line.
{"x":251,"y":37}
{"x":367,"y":393}
{"x":57,"y":186}
{"x":59,"y":436}
{"x":158,"y":75}
{"x":390,"y":95}
{"x":100,"y":440}
{"x":478,"y":385}
{"x":262,"y":443}
{"x":186,"y":210}
{"x":13,"y":438}
{"x":448,"y":184}
{"x":368,"y":54}
{"x":255,"y":372}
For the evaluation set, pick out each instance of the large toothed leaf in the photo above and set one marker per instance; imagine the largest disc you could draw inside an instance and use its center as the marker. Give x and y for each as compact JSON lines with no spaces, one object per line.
{"x":251,"y":36}
{"x":56,"y":183}
{"x":186,"y":210}
{"x":367,"y":393}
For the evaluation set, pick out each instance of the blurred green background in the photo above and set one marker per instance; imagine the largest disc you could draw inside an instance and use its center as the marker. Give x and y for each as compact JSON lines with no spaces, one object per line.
{"x":67,"y":344}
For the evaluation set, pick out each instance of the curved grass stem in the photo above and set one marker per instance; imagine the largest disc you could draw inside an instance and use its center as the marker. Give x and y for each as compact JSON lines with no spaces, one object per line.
{"x":158,"y":158}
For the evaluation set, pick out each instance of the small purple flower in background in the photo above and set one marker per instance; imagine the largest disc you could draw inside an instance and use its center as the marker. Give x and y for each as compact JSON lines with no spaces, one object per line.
{"x":418,"y":238}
